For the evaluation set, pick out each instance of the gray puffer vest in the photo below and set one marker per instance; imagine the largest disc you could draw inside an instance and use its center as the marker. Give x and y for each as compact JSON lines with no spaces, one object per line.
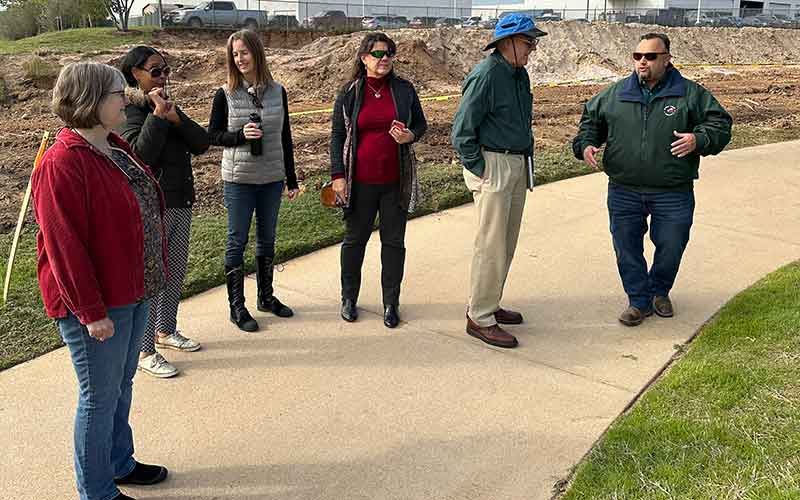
{"x":238,"y":165}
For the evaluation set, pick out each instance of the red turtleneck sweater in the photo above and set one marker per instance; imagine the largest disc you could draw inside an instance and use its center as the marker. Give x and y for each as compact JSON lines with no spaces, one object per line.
{"x":377,"y":159}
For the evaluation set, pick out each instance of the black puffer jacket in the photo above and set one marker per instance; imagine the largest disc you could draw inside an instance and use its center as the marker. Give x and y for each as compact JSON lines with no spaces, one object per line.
{"x":166,"y":148}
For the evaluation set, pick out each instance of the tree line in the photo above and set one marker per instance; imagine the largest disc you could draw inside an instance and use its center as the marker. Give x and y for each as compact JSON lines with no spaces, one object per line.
{"x":24,"y":18}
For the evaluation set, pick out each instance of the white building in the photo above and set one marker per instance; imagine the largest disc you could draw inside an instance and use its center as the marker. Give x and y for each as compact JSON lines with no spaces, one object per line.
{"x":361,"y":8}
{"x":594,"y":9}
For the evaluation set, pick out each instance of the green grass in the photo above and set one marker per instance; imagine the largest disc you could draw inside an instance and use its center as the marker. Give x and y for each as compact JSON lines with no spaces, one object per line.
{"x":723,"y":422}
{"x":77,"y":40}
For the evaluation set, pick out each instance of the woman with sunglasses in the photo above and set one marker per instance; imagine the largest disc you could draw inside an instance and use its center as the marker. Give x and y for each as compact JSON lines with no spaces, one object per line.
{"x":250,"y":119}
{"x":165,"y":138}
{"x":376,"y":118}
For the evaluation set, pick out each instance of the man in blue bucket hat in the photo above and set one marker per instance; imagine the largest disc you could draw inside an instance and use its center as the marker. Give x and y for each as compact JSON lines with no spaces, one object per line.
{"x":493,"y":137}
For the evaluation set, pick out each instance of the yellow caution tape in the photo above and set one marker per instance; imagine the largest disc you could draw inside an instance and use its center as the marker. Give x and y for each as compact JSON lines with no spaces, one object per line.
{"x":440,"y":98}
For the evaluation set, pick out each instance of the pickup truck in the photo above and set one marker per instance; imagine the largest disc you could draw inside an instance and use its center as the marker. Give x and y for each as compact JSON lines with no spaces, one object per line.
{"x":220,"y":14}
{"x":333,"y":19}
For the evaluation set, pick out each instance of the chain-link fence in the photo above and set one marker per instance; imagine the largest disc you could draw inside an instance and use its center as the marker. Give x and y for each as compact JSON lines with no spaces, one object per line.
{"x":355,"y":16}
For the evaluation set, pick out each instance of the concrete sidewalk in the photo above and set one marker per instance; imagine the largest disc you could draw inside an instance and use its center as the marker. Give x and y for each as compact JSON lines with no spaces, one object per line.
{"x":316,"y":408}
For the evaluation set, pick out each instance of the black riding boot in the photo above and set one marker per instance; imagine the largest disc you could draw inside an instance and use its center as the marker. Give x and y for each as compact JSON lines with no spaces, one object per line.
{"x":234,"y":277}
{"x":267,"y":302}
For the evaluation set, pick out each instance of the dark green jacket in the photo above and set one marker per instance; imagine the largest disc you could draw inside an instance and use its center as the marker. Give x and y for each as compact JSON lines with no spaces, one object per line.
{"x":639,"y":135}
{"x":495,"y":112}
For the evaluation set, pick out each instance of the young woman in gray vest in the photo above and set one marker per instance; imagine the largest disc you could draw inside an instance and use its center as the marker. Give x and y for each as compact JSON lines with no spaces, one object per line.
{"x":250,"y":119}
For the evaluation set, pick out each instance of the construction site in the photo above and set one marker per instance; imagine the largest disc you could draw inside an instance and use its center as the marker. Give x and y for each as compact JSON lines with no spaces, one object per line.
{"x":753,"y":72}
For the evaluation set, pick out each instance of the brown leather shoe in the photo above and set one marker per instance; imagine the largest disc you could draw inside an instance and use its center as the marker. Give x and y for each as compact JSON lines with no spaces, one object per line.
{"x":493,"y":335}
{"x":633,"y":316}
{"x":507,"y":317}
{"x":663,"y":307}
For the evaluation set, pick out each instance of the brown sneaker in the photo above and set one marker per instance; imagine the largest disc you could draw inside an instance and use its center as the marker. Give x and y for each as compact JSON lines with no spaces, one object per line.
{"x":493,"y":335}
{"x":633,"y":316}
{"x":663,"y":307}
{"x":507,"y":317}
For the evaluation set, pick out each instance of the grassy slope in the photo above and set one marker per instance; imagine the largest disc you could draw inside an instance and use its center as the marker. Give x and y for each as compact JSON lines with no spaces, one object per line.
{"x":723,"y":423}
{"x":77,"y":40}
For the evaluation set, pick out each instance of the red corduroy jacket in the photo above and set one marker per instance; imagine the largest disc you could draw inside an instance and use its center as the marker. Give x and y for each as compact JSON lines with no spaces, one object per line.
{"x":91,"y":239}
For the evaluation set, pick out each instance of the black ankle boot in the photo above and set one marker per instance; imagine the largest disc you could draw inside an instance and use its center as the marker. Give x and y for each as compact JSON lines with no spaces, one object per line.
{"x":144,"y":474}
{"x":391,"y":317}
{"x":123,"y":497}
{"x":349,"y":310}
{"x":267,"y":302}
{"x":240,"y":316}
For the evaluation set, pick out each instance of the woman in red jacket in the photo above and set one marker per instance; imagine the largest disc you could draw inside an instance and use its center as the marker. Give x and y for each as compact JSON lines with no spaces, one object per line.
{"x":100,"y":259}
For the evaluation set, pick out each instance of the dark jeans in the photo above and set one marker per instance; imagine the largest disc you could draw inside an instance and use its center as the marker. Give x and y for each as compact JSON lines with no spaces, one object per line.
{"x":105,"y":370}
{"x":671,"y":217}
{"x":242,"y":200}
{"x":367,"y":200}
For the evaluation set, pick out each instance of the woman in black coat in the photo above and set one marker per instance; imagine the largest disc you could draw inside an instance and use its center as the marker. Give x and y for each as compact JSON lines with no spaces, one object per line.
{"x":376,"y":119}
{"x":165,"y":138}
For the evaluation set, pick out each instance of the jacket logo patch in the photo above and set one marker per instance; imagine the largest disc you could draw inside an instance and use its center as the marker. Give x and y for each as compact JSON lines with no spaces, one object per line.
{"x":670,"y":110}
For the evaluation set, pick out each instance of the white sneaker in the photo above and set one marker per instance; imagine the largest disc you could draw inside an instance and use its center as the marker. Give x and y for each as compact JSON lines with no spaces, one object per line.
{"x":177,"y":342}
{"x":157,"y":366}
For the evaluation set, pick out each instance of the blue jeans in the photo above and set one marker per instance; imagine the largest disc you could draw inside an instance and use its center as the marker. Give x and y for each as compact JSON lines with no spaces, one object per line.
{"x":105,"y":370}
{"x":242,"y":200}
{"x":671,"y":216}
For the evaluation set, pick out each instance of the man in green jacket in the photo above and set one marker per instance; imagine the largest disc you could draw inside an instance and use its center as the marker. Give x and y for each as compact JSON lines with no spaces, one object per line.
{"x":492,"y":135}
{"x":656,"y":125}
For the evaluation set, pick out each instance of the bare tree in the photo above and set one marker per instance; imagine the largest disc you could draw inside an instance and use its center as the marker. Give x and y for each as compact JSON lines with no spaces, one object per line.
{"x":120,"y":12}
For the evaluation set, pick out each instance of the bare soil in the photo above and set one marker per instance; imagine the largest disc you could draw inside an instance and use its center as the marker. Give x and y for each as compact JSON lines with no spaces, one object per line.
{"x":751,"y":71}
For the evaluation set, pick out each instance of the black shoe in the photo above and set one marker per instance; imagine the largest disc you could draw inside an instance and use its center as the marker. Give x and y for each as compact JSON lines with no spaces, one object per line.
{"x":240,"y":316}
{"x":391,"y":318}
{"x":349,"y":310}
{"x":274,"y":306}
{"x":267,"y":302}
{"x":123,"y":497}
{"x":144,"y":475}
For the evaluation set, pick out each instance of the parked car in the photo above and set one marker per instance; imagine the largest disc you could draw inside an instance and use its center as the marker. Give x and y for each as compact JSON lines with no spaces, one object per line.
{"x":471,"y":22}
{"x":780,"y":21}
{"x":283,"y":21}
{"x":729,"y":21}
{"x":333,"y":19}
{"x":384,"y":22}
{"x":704,"y":20}
{"x":443,"y":22}
{"x":549,"y":16}
{"x":169,"y":17}
{"x":488,"y":23}
{"x":423,"y":22}
{"x":753,"y":21}
{"x":220,"y":14}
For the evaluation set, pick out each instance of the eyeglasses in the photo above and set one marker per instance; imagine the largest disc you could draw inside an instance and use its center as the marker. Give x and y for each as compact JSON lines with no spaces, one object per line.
{"x":530,"y":42}
{"x":378,"y":54}
{"x":650,"y":56}
{"x":158,"y":71}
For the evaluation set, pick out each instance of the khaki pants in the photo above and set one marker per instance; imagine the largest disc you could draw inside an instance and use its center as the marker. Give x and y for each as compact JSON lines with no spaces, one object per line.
{"x":499,"y":201}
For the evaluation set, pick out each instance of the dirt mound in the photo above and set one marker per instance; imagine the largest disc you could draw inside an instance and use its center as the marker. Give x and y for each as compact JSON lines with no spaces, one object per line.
{"x":437,"y":60}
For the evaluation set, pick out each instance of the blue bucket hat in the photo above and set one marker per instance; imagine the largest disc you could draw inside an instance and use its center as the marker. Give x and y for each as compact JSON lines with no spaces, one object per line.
{"x":514,"y":24}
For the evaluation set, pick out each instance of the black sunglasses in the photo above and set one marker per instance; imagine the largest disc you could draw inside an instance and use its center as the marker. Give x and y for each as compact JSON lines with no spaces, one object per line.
{"x":650,"y":56}
{"x":158,"y":71}
{"x":378,"y":54}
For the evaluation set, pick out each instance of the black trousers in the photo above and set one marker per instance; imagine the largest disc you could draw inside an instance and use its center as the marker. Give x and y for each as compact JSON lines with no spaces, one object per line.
{"x":367,"y":201}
